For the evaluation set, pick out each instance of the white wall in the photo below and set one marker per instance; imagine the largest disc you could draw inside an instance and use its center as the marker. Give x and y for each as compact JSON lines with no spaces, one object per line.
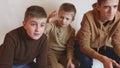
{"x":12,"y":11}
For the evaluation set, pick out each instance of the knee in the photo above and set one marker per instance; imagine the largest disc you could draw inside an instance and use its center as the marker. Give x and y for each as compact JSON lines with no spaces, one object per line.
{"x":87,"y":61}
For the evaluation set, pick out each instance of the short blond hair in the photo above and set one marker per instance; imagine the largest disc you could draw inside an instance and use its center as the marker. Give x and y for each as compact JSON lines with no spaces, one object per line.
{"x":68,"y":7}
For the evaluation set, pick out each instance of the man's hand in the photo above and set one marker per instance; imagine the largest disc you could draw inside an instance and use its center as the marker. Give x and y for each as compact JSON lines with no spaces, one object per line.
{"x":109,"y":63}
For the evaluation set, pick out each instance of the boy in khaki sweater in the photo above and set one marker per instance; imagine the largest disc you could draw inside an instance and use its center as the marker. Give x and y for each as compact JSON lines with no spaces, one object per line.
{"x":61,"y":38}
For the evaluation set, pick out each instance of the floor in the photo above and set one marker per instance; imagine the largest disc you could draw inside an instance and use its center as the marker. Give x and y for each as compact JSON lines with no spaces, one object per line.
{"x":97,"y":64}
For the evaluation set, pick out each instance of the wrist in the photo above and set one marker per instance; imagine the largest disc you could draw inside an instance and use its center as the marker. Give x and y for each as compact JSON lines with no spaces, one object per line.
{"x":103,"y":58}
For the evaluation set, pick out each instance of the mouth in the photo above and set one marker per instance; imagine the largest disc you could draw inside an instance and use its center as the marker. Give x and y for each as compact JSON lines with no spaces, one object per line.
{"x":36,"y":34}
{"x":110,"y":15}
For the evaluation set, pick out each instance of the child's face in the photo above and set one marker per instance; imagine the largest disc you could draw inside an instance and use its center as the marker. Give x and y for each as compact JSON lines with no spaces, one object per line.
{"x":35,"y":27}
{"x":65,"y":18}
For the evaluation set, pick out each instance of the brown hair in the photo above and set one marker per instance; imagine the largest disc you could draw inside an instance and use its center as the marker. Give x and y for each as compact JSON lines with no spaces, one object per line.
{"x":119,"y":6}
{"x":35,"y":11}
{"x":100,"y":1}
{"x":68,"y":7}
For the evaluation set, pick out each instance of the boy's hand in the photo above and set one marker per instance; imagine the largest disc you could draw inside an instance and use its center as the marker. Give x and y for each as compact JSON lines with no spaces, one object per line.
{"x":51,"y":15}
{"x":70,"y":64}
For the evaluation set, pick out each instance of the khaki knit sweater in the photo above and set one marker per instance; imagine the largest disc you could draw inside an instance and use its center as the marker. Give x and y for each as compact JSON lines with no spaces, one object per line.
{"x":61,"y":38}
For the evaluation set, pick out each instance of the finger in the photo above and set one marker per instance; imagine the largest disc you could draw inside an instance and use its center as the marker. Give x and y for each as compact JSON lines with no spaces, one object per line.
{"x":116,"y":64}
{"x":54,"y":13}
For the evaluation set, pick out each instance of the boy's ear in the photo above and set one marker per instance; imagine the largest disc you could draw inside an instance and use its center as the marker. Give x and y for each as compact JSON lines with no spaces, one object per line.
{"x":23,"y":23}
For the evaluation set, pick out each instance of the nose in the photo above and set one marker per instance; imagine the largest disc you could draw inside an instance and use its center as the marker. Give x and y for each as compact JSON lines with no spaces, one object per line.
{"x":63,"y":20}
{"x":111,"y":10}
{"x":37,"y":29}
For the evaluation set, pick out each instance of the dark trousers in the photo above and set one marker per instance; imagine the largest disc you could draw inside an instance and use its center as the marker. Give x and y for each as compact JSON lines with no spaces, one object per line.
{"x":87,"y":62}
{"x":30,"y":65}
